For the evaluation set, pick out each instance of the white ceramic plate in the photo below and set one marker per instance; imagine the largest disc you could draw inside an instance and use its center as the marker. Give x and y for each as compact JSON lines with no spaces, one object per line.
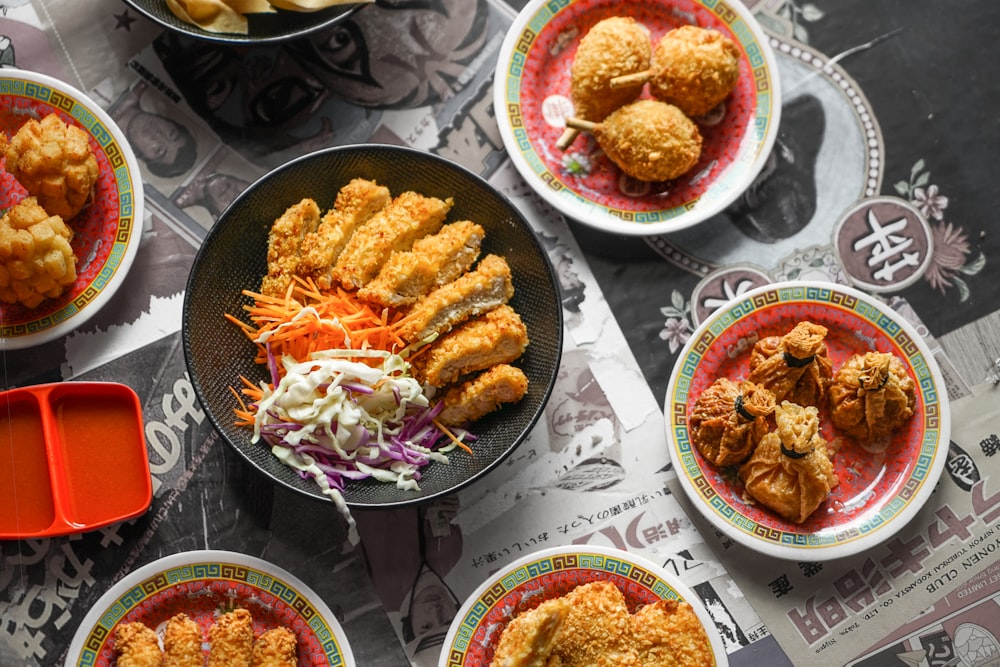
{"x":106,"y":234}
{"x":877,"y":494}
{"x":532,"y":98}
{"x":201,"y":584}
{"x":551,"y":573}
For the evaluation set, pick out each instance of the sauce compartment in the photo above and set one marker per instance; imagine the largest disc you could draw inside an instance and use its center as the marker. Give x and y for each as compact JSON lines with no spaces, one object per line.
{"x":72,"y":458}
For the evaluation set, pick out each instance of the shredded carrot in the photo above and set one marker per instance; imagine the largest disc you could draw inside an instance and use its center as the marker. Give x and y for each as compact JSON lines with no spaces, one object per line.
{"x":451,"y":436}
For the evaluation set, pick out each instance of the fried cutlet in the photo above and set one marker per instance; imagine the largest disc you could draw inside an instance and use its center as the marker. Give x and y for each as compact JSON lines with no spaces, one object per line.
{"x":529,"y":638}
{"x":231,"y":640}
{"x":182,"y":642}
{"x":396,"y":226}
{"x":356,"y":203}
{"x":435,"y":260}
{"x":275,"y":648}
{"x":284,"y":245}
{"x":667,"y":633}
{"x":597,"y":631}
{"x":137,"y":646}
{"x":475,"y":398}
{"x":498,"y":337}
{"x":487,"y":286}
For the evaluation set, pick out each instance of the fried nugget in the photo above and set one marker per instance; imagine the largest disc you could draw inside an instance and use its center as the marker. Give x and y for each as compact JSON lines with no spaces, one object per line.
{"x":284,"y":245}
{"x":694,"y":69}
{"x":528,"y":640}
{"x":475,"y":398}
{"x":182,"y":642}
{"x":597,"y":631}
{"x":275,"y":648}
{"x":667,"y":633}
{"x":435,"y":260}
{"x":231,"y":639}
{"x":137,"y":646}
{"x":402,"y":221}
{"x":356,"y":203}
{"x":487,"y":286}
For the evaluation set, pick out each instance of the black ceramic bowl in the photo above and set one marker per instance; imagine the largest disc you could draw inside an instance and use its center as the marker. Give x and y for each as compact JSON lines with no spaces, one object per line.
{"x":234,"y":257}
{"x":263,"y":28}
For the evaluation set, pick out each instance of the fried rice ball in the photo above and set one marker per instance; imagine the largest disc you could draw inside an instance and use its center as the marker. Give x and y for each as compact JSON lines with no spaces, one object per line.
{"x":650,"y":140}
{"x":694,"y":69}
{"x":54,"y":163}
{"x":36,"y":259}
{"x":615,"y":46}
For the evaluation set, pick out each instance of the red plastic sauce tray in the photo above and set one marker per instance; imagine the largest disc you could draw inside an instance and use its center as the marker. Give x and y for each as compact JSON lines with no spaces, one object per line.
{"x":72,"y":458}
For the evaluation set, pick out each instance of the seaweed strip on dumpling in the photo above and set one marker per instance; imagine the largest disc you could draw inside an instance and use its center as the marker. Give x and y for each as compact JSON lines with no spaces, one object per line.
{"x":870,"y":397}
{"x":729,"y":419}
{"x":795,"y":366}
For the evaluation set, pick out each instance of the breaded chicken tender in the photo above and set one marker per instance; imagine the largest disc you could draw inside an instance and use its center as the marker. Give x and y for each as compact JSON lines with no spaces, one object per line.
{"x":284,"y":245}
{"x":36,"y":258}
{"x":137,"y":646}
{"x":231,"y":640}
{"x":597,"y":631}
{"x":434,"y":260}
{"x":275,"y":648}
{"x":54,"y":162}
{"x":356,"y":203}
{"x":487,"y":286}
{"x":528,"y":640}
{"x":488,"y":391}
{"x":402,"y":221}
{"x":694,"y":69}
{"x":668,"y":633}
{"x":182,"y":640}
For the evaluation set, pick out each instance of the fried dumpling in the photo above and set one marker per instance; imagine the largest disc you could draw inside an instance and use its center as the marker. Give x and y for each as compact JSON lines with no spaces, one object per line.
{"x":790,"y":471}
{"x":870,"y":397}
{"x":794,"y":367}
{"x":729,"y":419}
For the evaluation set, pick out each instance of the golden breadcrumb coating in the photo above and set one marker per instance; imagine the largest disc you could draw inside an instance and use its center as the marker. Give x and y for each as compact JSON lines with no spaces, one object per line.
{"x":694,"y":69}
{"x":529,"y":638}
{"x":284,"y":245}
{"x":668,"y":633}
{"x":597,"y":631}
{"x":487,"y":286}
{"x":275,"y":648}
{"x":182,"y":643}
{"x":231,"y":640}
{"x":488,"y":391}
{"x":356,"y":203}
{"x":402,"y":221}
{"x":36,"y":259}
{"x":137,"y":646}
{"x":434,"y":260}
{"x":650,"y":140}
{"x":613,"y":47}
{"x":54,"y":162}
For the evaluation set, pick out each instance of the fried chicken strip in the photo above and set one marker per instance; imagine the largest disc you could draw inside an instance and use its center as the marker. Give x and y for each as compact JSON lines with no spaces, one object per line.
{"x":182,"y":641}
{"x":275,"y":648}
{"x":231,"y":639}
{"x":667,"y":633}
{"x":475,"y":398}
{"x":484,"y":288}
{"x":136,"y":646}
{"x":435,"y":260}
{"x":402,"y":221}
{"x":284,"y":245}
{"x":356,"y":203}
{"x":597,"y":631}
{"x":529,"y":638}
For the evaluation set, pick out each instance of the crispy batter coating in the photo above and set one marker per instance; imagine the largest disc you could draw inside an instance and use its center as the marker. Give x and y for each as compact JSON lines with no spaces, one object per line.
{"x":231,"y":639}
{"x":54,"y":162}
{"x":870,"y":397}
{"x":36,"y":259}
{"x":498,"y":337}
{"x":182,"y":643}
{"x":284,"y":245}
{"x":275,"y":648}
{"x":528,"y":640}
{"x":613,"y":47}
{"x":434,"y":260}
{"x":402,"y":221}
{"x":729,"y":419}
{"x":668,"y":633}
{"x":137,"y":646}
{"x":356,"y":203}
{"x":597,"y":631}
{"x":795,"y":366}
{"x":694,"y":69}
{"x":487,"y":286}
{"x":650,"y":140}
{"x":790,"y":471}
{"x":488,"y":391}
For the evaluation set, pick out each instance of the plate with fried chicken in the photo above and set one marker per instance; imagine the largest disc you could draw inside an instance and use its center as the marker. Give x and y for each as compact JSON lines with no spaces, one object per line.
{"x":224,"y":607}
{"x":578,"y":606}
{"x":72,"y":206}
{"x":637,"y":117}
{"x":372,"y":325}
